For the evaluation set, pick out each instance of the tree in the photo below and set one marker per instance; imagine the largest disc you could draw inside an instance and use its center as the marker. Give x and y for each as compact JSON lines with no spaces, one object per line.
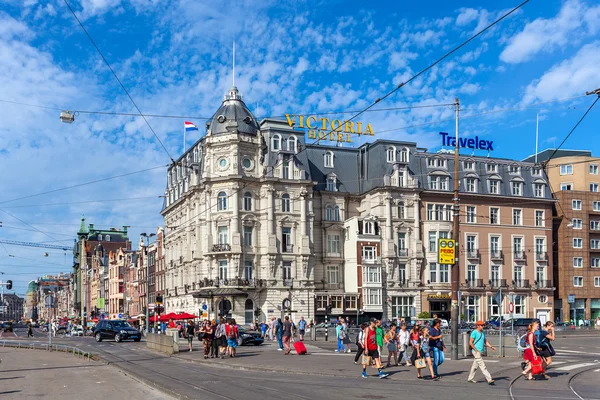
{"x":424,"y":314}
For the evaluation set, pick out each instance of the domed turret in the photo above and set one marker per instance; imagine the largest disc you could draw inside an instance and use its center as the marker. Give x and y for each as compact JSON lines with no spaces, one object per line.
{"x":233,"y":117}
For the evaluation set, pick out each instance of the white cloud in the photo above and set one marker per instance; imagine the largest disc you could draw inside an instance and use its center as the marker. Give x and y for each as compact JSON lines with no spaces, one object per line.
{"x":466,"y":16}
{"x":574,"y":21}
{"x":571,"y":77}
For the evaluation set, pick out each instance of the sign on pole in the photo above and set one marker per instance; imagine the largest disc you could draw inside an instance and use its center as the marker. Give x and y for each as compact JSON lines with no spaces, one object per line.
{"x":571,"y":299}
{"x":498,"y":297}
{"x":446,"y":251}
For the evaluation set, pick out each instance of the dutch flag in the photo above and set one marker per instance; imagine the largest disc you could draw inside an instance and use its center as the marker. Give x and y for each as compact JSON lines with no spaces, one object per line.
{"x":188,"y":126}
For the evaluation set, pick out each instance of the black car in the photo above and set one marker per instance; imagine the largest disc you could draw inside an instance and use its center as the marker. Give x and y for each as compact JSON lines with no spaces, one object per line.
{"x":248,"y":337}
{"x":117,"y":330}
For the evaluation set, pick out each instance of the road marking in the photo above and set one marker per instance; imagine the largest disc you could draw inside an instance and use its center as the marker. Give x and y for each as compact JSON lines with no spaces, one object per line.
{"x":572,"y":367}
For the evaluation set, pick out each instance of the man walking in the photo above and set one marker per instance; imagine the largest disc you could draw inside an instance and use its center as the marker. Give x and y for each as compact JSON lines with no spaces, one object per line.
{"x":477,"y":343}
{"x":302,"y":328}
{"x":371,"y":350}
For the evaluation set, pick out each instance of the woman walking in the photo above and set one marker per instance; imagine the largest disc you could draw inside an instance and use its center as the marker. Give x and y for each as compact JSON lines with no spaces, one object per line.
{"x":391,"y":340}
{"x":425,"y":352}
{"x":232,"y":337}
{"x":404,"y":343}
{"x":360,"y":338}
{"x":214,"y":342}
{"x":529,"y":354}
{"x":207,"y":337}
{"x":189,"y":331}
{"x":339,"y":334}
{"x":221,"y":337}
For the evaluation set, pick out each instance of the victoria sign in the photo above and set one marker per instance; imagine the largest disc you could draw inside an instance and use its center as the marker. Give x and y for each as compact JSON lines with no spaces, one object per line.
{"x":329,"y":129}
{"x":470,"y":143}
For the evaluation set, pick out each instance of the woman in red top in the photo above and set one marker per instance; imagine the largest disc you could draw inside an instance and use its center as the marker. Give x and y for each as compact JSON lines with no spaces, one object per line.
{"x":231,"y":330}
{"x":529,"y":354}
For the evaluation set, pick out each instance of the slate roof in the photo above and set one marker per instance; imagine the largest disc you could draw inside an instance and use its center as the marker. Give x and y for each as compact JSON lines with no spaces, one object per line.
{"x":545,"y":155}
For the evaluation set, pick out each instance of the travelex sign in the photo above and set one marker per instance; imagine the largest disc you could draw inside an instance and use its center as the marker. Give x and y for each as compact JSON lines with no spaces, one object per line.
{"x":329,"y":129}
{"x":471,"y":143}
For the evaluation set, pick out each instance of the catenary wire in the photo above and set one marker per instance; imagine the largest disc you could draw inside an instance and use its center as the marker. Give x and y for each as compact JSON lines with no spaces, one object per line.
{"x":84,"y":184}
{"x":118,"y":80}
{"x":85,"y":202}
{"x":31,"y":226}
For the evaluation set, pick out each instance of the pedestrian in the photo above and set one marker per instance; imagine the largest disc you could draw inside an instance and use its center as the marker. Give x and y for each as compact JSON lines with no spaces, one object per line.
{"x":436,"y":345}
{"x":547,"y":350}
{"x":171,"y":324}
{"x":29,"y":330}
{"x":477,"y":343}
{"x":214,"y":342}
{"x":371,"y":350}
{"x":221,"y":337}
{"x":190,"y":330}
{"x":287,"y":334}
{"x":360,"y":339}
{"x":278,"y":326}
{"x":346,"y":335}
{"x":529,"y":353}
{"x":424,"y":352}
{"x":232,"y":337}
{"x":272,"y":329}
{"x":391,"y":341}
{"x":415,"y":338}
{"x":263,"y":330}
{"x":403,"y":344}
{"x":379,"y":337}
{"x":339,"y":334}
{"x":302,"y":328}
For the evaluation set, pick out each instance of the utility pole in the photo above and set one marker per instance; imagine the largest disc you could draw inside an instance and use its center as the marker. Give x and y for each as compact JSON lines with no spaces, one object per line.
{"x":454,"y":308}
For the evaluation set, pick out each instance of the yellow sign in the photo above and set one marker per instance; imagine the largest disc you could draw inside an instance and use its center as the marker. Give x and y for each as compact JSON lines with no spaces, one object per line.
{"x":446,"y":253}
{"x":204,"y":314}
{"x":329,"y":129}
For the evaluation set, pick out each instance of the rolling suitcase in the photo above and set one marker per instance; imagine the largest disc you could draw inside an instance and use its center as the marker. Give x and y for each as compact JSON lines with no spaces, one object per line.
{"x":300,"y":348}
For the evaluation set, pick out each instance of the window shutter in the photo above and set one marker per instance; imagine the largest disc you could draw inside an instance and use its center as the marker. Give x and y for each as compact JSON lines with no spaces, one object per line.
{"x":376,"y":224}
{"x":360,"y":227}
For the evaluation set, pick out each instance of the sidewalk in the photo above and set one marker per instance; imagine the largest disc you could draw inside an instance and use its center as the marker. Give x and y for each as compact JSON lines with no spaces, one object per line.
{"x":320,"y":362}
{"x":26,"y":374}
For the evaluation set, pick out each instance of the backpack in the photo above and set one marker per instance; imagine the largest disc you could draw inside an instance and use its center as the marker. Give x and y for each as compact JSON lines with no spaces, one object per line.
{"x":523,"y":342}
{"x":219,"y":332}
{"x":232,"y":330}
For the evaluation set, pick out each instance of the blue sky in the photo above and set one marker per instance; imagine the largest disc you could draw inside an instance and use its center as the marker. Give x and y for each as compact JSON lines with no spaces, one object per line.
{"x":292,"y":57}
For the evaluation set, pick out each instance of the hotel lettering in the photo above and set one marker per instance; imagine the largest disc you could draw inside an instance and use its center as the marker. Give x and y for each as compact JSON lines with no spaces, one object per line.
{"x":329,"y":129}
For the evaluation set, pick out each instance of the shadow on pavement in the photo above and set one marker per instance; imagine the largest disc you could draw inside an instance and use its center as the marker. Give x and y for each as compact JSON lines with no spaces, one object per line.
{"x":41,"y":369}
{"x":10,"y":392}
{"x":11,"y":377}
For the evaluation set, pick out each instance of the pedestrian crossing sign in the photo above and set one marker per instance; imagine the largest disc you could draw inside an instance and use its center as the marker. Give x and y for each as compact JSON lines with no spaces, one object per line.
{"x":446,"y":251}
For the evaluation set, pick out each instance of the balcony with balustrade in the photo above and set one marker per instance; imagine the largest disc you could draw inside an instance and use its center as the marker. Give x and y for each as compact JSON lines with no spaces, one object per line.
{"x":521,"y":284}
{"x":519,"y":256}
{"x":473,"y":284}
{"x":497,"y":256}
{"x":543,"y":284}
{"x":498,"y":283}
{"x":473,"y":255}
{"x":402,"y":252}
{"x":220,"y":248}
{"x":541,"y":256}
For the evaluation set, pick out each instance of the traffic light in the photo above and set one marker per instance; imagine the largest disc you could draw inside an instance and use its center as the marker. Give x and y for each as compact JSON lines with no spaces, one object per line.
{"x":159,"y":299}
{"x":8,"y":285}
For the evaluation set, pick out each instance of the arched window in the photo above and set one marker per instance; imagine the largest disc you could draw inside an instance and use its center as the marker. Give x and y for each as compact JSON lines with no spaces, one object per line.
{"x":404,"y":155}
{"x":336,"y":213}
{"x":285,"y":203}
{"x":221,"y":201}
{"x":99,"y":238}
{"x":276,"y":142}
{"x":292,"y":143}
{"x":391,"y":154}
{"x":248,"y":311}
{"x":369,"y":228}
{"x":107,"y":238}
{"x":328,"y":159}
{"x":247,"y":201}
{"x":329,"y":213}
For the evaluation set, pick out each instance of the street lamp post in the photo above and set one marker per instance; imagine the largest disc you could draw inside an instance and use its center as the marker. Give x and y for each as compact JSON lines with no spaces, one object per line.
{"x":147,"y":237}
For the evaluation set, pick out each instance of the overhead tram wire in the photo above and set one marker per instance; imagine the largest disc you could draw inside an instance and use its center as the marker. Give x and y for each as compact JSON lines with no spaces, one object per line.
{"x":118,"y":80}
{"x":31,"y":226}
{"x":85,"y":202}
{"x":84,"y":184}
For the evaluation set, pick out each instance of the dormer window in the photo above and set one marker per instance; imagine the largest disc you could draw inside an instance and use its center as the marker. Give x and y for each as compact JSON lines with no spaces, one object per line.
{"x":471,"y":185}
{"x":331,"y":183}
{"x":436,"y":162}
{"x":328,"y":159}
{"x":536,"y":171}
{"x":292,"y":144}
{"x":369,"y":227}
{"x":107,"y":238}
{"x":514,"y":170}
{"x":469,"y":166}
{"x":276,"y":142}
{"x":404,"y":155}
{"x":491,"y":168}
{"x":99,"y":238}
{"x":391,"y":154}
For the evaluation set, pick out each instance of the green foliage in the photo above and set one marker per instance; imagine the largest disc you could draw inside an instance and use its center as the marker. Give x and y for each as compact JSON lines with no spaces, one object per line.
{"x":424,"y":314}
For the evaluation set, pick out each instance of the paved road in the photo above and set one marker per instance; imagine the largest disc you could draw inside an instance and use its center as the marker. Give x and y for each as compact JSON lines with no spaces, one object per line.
{"x":263,"y":371}
{"x":28,"y":374}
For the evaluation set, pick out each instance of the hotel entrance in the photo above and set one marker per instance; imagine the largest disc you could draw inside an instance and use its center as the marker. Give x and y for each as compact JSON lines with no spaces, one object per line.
{"x":439,"y":304}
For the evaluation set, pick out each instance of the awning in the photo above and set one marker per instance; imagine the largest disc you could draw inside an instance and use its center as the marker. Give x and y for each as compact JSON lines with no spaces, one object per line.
{"x":218,"y":292}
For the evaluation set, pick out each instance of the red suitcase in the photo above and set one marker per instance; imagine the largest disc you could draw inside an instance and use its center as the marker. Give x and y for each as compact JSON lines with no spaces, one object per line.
{"x":300,"y":348}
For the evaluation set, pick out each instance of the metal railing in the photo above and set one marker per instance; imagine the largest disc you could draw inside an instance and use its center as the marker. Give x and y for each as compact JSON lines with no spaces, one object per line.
{"x":541,"y":256}
{"x":402,"y":252}
{"x":521,"y":283}
{"x":544,"y":284}
{"x":46,"y":346}
{"x":497,"y":255}
{"x":497,"y":283}
{"x":216,"y":248}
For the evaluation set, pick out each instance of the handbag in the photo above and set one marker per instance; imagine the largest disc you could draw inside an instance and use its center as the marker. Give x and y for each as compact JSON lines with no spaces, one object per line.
{"x":537,"y":366}
{"x":420,"y":363}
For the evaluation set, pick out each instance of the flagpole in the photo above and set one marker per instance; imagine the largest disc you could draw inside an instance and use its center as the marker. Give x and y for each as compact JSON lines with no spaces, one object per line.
{"x":183,"y":152}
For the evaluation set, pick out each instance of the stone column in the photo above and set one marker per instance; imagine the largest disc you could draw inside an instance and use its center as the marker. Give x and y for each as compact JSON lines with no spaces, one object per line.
{"x":388,"y":223}
{"x":235,"y":227}
{"x":270,"y":208}
{"x":302,"y":198}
